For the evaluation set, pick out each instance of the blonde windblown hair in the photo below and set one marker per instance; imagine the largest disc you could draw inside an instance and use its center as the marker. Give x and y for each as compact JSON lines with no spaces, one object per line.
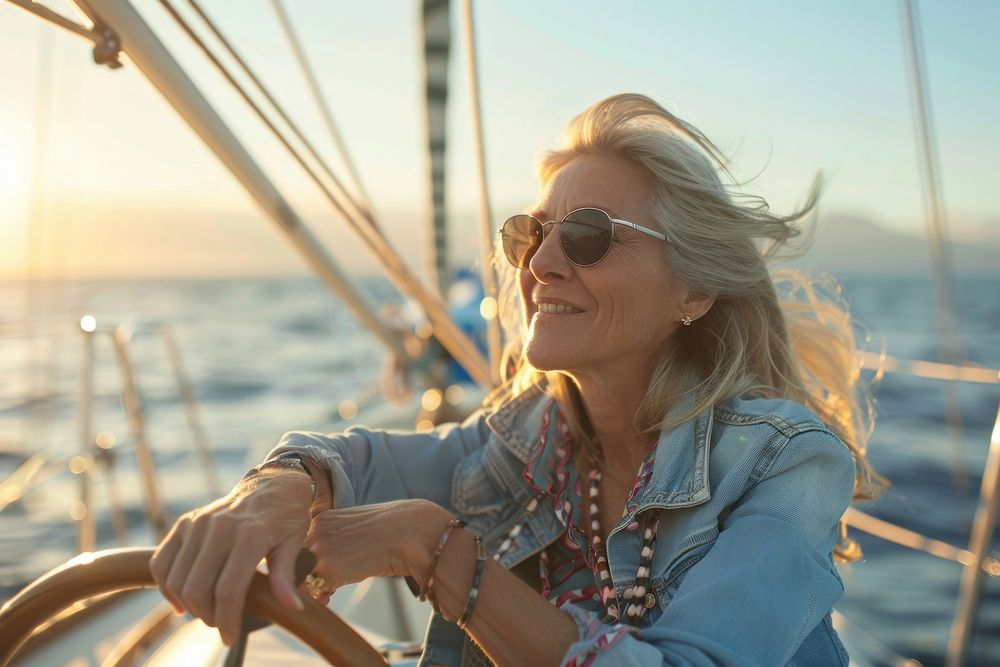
{"x":800,"y":347}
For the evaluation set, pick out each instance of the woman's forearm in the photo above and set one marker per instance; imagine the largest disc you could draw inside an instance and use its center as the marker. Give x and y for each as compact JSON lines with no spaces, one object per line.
{"x":512,"y":622}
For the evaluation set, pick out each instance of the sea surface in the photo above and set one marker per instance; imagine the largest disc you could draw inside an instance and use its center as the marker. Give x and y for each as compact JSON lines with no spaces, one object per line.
{"x":267,"y":356}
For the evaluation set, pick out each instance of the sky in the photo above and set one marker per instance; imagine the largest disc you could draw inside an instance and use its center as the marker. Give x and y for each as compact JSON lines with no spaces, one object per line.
{"x":117,"y":185}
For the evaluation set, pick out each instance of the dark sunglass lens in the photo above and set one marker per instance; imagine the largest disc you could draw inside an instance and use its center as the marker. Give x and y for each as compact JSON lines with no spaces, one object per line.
{"x":521,"y":235}
{"x":586,"y":236}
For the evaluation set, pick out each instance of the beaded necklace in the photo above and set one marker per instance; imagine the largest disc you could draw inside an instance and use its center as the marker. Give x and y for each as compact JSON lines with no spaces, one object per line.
{"x":638,"y":596}
{"x":650,"y":522}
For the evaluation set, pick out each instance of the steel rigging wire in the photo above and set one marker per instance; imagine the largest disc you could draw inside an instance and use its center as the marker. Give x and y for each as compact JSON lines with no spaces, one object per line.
{"x":445,"y":330}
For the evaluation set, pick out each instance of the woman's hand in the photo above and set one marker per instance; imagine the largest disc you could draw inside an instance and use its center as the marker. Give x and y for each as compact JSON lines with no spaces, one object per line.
{"x":383,"y":540}
{"x":206,"y":562}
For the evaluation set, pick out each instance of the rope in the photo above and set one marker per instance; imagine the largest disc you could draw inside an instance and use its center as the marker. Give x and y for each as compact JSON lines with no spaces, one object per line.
{"x":231,"y":50}
{"x":324,"y":108}
{"x":450,"y":336}
{"x":184,"y":25}
{"x":55,"y":18}
{"x":950,"y":345}
{"x":485,"y":226}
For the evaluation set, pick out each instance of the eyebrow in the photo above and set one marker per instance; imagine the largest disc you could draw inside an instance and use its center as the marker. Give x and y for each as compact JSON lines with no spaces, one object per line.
{"x":541,"y":214}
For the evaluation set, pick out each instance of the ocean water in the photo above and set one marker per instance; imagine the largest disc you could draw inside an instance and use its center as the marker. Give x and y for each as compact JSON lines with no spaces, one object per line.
{"x":267,"y":356}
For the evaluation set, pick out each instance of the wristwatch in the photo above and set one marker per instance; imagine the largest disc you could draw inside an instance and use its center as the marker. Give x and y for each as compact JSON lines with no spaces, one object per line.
{"x":288,"y":461}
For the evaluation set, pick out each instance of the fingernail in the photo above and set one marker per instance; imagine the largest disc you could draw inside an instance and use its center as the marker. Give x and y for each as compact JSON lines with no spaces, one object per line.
{"x":298,"y":602}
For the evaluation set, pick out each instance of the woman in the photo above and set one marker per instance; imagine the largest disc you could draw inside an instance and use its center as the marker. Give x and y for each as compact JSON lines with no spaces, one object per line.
{"x":651,"y":339}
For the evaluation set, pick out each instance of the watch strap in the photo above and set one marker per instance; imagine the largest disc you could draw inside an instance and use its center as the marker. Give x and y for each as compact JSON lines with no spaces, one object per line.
{"x":286,"y":461}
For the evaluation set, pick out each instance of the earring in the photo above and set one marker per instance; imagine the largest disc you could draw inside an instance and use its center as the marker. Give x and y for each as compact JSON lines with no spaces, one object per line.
{"x":686,"y":321}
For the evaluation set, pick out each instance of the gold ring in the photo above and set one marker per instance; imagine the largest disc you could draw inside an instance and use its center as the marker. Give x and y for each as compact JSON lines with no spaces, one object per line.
{"x":315,"y":585}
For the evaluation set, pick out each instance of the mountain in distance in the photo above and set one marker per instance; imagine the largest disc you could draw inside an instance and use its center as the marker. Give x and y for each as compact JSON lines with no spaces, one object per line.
{"x":157,"y":240}
{"x":844,"y":243}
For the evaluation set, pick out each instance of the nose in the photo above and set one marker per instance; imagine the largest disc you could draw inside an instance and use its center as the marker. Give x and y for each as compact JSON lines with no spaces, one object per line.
{"x":549,"y":261}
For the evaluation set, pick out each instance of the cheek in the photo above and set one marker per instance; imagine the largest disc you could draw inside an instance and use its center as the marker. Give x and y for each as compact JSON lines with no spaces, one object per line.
{"x":643,"y":307}
{"x":526,"y":283}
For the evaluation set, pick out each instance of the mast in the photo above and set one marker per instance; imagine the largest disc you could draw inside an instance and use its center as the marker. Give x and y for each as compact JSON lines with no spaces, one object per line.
{"x":436,"y":34}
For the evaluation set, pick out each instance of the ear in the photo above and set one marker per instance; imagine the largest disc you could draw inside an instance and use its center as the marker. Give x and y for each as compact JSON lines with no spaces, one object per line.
{"x":696,"y":305}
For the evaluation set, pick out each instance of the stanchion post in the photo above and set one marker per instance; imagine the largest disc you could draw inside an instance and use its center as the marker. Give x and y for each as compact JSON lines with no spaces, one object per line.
{"x":136,"y":422}
{"x":86,"y":518}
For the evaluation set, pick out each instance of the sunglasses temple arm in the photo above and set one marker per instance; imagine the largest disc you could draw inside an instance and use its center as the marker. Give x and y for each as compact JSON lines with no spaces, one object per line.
{"x":640,"y":228}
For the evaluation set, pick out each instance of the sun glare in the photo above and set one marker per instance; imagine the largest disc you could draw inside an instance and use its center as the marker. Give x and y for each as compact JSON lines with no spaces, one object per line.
{"x":13,"y":184}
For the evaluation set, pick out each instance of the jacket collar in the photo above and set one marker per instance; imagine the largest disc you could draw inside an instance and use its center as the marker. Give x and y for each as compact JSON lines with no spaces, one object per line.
{"x":680,"y":472}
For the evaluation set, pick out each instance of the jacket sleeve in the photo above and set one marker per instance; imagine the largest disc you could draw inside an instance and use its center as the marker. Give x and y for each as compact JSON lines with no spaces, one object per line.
{"x":371,"y":466}
{"x":765,"y":584}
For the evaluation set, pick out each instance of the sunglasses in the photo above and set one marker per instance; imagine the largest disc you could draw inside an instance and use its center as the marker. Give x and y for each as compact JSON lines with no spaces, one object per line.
{"x":585,"y":234}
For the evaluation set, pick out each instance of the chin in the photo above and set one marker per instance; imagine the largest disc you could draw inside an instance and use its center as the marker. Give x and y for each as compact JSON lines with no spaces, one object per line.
{"x":545,"y":358}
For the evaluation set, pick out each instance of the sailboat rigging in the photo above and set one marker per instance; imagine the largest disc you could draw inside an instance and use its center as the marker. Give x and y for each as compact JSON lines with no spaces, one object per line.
{"x":118,"y":29}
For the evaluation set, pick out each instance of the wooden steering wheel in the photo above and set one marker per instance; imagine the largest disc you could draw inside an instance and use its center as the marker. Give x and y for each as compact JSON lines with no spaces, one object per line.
{"x":91,"y":574}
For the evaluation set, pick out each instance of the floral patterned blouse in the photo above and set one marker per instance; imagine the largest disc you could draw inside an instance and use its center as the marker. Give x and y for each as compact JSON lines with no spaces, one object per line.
{"x":567,"y":567}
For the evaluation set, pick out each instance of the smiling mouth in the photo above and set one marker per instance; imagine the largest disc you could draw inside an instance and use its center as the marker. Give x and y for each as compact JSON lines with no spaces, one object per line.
{"x":557,"y":309}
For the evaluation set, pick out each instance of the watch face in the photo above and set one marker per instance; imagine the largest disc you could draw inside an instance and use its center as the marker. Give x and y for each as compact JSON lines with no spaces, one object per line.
{"x":287,"y":463}
{"x":290,"y":461}
{"x":284,"y":461}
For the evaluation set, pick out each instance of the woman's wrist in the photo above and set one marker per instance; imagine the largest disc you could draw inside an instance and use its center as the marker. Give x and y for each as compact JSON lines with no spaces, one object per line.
{"x":429,"y":522}
{"x":289,"y":461}
{"x":285,"y":482}
{"x":321,"y":489}
{"x":456,"y":564}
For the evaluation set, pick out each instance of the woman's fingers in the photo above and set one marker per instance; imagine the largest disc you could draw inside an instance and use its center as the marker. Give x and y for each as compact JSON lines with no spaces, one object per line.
{"x":163,"y":559}
{"x":180,"y":568}
{"x":207,"y":560}
{"x":281,"y":573}
{"x":353,"y":544}
{"x":198,"y":590}
{"x":231,"y":588}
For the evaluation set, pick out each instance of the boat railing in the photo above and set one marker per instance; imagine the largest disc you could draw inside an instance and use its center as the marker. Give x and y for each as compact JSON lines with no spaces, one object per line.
{"x":132,"y":35}
{"x":120,"y":337}
{"x":95,"y":456}
{"x":976,"y":559}
{"x":931,"y":370}
{"x":980,"y":539}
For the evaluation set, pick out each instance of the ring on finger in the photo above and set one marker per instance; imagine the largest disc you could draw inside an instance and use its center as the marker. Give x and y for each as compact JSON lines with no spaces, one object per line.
{"x":314,"y":585}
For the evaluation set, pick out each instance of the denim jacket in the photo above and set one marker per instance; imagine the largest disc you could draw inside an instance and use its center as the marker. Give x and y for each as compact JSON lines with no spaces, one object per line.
{"x":751,"y":494}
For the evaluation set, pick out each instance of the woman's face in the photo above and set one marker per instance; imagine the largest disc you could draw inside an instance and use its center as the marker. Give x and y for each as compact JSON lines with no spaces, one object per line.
{"x":625,"y":307}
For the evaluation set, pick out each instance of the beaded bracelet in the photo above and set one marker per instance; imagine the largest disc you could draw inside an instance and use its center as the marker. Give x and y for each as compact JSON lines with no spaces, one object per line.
{"x":427,"y":592}
{"x":470,"y":605}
